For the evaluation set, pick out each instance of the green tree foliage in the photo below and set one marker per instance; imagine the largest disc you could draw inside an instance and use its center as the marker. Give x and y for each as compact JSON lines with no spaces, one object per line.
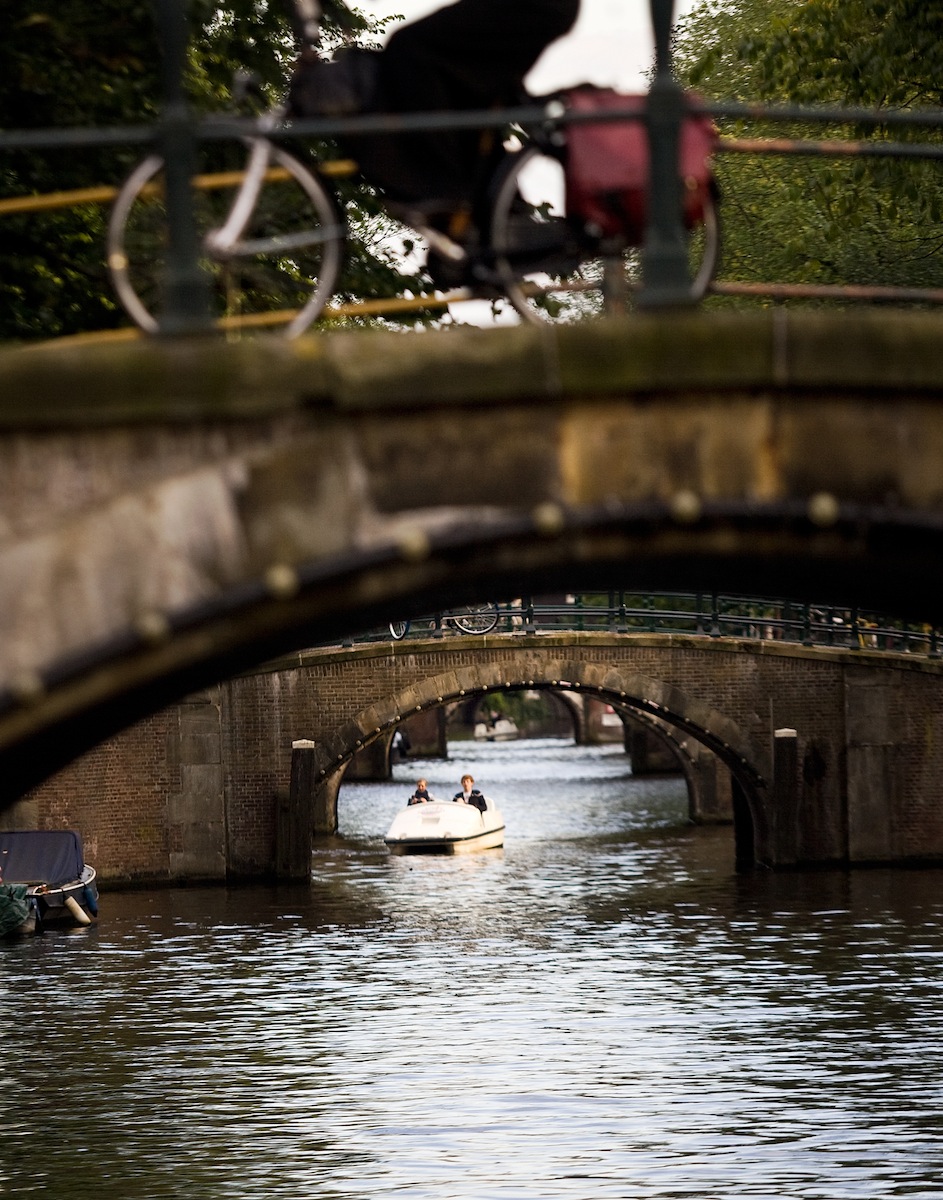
{"x":833,"y":220}
{"x":72,"y":64}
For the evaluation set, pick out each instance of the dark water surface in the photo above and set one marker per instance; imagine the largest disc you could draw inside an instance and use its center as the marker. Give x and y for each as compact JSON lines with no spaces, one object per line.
{"x":602,"y":1009}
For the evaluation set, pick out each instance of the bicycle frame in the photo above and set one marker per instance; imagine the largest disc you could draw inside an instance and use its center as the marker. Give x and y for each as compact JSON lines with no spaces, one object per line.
{"x":227,"y":241}
{"x":475,"y":619}
{"x":223,"y":240}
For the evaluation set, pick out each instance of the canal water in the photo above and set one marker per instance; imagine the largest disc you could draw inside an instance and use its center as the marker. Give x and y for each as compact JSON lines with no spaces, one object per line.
{"x":601,"y":1009}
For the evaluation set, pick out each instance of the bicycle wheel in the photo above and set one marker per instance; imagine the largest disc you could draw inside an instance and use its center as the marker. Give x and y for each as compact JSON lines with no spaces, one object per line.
{"x":545,"y":270}
{"x":280,"y":274}
{"x":475,"y":618}
{"x":398,"y":630}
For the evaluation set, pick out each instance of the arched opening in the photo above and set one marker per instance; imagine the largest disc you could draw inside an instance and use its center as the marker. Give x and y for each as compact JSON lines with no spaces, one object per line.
{"x":711,"y":753}
{"x":49,"y":717}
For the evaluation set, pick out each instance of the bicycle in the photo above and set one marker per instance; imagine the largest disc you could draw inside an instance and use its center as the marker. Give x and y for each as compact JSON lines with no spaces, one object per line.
{"x":274,"y":248}
{"x":273,"y":251}
{"x":473,"y":618}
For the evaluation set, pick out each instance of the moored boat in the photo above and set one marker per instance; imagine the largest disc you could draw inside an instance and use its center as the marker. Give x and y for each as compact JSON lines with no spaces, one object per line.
{"x":59,"y":885}
{"x":446,"y":827}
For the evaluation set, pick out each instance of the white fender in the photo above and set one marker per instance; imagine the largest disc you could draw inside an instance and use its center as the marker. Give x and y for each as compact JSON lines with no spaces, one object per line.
{"x":77,"y":911}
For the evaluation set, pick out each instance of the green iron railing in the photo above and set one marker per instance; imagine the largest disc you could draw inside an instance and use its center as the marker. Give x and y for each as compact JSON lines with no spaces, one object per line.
{"x":696,"y":614}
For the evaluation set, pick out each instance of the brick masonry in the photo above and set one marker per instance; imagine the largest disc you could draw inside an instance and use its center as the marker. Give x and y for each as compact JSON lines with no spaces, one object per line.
{"x":192,"y":792}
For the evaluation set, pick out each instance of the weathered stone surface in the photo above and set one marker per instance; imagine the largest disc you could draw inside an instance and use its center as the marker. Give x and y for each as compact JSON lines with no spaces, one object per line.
{"x":175,"y":510}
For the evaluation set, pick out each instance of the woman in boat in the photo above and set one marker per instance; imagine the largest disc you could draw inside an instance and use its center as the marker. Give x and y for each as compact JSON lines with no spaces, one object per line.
{"x":470,"y":794}
{"x":421,"y":795}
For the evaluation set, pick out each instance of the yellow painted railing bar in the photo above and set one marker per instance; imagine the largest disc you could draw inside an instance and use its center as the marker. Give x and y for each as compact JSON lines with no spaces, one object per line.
{"x":340,"y":169}
{"x":359,"y":308}
{"x":92,"y":195}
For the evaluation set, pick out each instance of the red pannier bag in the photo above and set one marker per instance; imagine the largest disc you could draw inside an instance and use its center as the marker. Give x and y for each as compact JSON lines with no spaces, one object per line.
{"x":607,"y":167}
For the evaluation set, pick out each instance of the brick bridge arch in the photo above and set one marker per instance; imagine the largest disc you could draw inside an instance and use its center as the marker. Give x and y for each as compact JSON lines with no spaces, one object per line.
{"x":861,"y":785}
{"x":613,"y":684}
{"x":662,"y":707}
{"x":857,"y":783}
{"x":707,"y":795}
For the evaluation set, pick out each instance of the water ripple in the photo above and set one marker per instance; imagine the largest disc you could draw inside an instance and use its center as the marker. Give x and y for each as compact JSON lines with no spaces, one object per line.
{"x":602,"y":1008}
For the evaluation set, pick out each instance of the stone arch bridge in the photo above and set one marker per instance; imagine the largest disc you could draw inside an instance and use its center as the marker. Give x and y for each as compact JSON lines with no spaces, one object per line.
{"x":851,"y":778}
{"x":178,"y":510}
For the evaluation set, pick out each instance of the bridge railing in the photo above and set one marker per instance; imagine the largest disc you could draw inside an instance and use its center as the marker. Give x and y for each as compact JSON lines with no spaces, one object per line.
{"x":665,"y":271}
{"x":699,"y":614}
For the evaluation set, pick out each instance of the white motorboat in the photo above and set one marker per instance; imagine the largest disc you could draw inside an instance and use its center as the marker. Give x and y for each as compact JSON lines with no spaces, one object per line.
{"x":446,"y":827}
{"x":501,"y":730}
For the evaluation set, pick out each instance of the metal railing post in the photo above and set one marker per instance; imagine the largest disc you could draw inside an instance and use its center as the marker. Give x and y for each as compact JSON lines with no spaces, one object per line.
{"x":648,"y":605}
{"x":665,"y":277}
{"x":185,"y":304}
{"x":715,"y":615}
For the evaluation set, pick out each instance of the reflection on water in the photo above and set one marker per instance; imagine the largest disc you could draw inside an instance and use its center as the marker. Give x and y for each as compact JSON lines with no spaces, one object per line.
{"x":602,"y":1008}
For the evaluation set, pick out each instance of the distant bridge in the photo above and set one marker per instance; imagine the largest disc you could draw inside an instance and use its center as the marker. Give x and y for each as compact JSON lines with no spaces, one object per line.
{"x":824,"y":756}
{"x":180,"y":510}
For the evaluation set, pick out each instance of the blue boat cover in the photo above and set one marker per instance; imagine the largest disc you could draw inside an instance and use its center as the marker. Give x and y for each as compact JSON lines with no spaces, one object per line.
{"x":41,"y":856}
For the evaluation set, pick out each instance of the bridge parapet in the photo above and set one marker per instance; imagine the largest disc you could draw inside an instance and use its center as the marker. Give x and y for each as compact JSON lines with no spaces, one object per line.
{"x":180,"y":510}
{"x":713,"y":615}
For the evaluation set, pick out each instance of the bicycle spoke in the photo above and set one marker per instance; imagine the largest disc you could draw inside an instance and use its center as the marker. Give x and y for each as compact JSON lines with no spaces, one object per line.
{"x":475,"y":618}
{"x":564,"y":279}
{"x":281,"y":271}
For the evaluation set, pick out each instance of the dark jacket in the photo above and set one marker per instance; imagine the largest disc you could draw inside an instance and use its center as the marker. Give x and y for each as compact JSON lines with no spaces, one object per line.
{"x":472,"y":54}
{"x":475,"y":797}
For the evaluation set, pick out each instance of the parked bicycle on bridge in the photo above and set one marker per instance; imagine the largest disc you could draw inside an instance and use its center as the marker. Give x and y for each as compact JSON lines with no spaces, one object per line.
{"x":557,"y":231}
{"x":473,"y":618}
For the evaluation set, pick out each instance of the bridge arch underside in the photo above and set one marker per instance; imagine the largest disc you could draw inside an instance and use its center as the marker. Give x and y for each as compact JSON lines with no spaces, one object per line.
{"x":179,"y":512}
{"x":51,"y":716}
{"x":676,"y":718}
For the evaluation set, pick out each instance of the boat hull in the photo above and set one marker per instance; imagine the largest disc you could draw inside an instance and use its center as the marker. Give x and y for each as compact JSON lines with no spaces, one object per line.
{"x":74,"y":903}
{"x":59,"y":886}
{"x":445,"y":827}
{"x":500,"y":731}
{"x":489,"y":840}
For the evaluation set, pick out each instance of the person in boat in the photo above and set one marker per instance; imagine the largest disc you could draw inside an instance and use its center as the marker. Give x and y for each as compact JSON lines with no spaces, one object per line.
{"x":470,"y":794}
{"x":421,"y":795}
